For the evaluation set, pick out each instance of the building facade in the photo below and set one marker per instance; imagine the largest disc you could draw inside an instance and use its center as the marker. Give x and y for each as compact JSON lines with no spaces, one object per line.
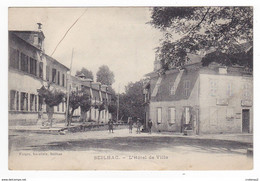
{"x":212,"y":99}
{"x":99,"y":94}
{"x":30,"y":68}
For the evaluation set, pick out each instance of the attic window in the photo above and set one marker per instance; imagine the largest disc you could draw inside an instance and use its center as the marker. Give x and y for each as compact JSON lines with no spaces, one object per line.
{"x":35,"y":40}
{"x":172,"y":90}
{"x":222,"y":70}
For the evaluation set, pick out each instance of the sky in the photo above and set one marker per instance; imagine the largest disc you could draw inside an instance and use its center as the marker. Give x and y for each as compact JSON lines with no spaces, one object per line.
{"x":117,"y":37}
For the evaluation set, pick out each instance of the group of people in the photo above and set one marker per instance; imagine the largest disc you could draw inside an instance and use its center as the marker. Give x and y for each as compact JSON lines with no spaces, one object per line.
{"x":131,"y":123}
{"x":138,"y":125}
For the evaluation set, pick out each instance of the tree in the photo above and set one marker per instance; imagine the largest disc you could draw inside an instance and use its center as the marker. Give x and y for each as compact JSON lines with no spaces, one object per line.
{"x":201,"y":28}
{"x":74,"y":103}
{"x":51,"y":98}
{"x":101,"y":107}
{"x":85,"y":105}
{"x":79,"y":99}
{"x":86,"y":72}
{"x":105,"y":76}
{"x":131,"y":102}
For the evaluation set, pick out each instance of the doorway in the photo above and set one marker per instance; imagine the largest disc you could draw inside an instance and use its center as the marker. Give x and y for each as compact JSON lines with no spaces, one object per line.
{"x":245,"y":120}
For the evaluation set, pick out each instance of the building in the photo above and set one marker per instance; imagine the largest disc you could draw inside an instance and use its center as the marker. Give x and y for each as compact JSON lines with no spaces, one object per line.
{"x":212,"y":99}
{"x":29,"y":69}
{"x":99,"y":94}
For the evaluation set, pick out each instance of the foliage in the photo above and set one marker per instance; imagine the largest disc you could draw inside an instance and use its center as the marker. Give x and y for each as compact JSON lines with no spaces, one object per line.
{"x":74,"y":100}
{"x":105,"y":75}
{"x":242,"y":59}
{"x":86,"y":72}
{"x":111,"y":108}
{"x":191,"y":29}
{"x":51,"y":97}
{"x":101,"y":107}
{"x":131,"y":102}
{"x":85,"y":102}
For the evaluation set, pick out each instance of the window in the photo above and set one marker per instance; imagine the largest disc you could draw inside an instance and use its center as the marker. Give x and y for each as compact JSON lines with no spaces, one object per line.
{"x":31,"y":102}
{"x":39,"y":41}
{"x":33,"y":66}
{"x":35,"y":103}
{"x":47,"y":73}
{"x":17,"y":100}
{"x":62,"y":106}
{"x":14,"y":58}
{"x":63,"y":80}
{"x":58,"y":108}
{"x":230,"y":113}
{"x":24,"y":62}
{"x":159,"y":115}
{"x":171,"y":115}
{"x":53,"y":75}
{"x":229,"y":89}
{"x":40,"y":103}
{"x":187,"y":115}
{"x":12,"y":99}
{"x":246,"y":91}
{"x":213,"y":87}
{"x":40,"y":69}
{"x":35,"y":40}
{"x":24,"y":101}
{"x":172,"y":90}
{"x":186,"y":85}
{"x":58,"y":78}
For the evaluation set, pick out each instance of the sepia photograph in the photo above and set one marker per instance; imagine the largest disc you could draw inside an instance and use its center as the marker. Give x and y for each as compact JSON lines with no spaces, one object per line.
{"x":130,"y":88}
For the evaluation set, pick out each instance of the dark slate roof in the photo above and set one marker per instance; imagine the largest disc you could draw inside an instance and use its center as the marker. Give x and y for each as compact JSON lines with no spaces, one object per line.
{"x":168,"y":81}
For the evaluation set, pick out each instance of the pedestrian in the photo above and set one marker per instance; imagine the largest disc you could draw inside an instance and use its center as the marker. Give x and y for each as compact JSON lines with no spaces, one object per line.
{"x":138,"y":124}
{"x":130,"y":123}
{"x":110,"y":126}
{"x":150,"y":124}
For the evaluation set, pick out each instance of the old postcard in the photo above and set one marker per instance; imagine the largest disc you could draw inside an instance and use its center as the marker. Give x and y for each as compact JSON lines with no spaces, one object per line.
{"x":130,"y":88}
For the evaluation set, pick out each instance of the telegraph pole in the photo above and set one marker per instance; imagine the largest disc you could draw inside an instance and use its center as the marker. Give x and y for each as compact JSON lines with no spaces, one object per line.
{"x":117,"y":115}
{"x":68,"y":90}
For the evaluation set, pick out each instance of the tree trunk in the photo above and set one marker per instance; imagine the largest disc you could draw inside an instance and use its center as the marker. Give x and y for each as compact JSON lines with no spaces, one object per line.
{"x":50,"y":111}
{"x":83,"y":116}
{"x":70,"y":117}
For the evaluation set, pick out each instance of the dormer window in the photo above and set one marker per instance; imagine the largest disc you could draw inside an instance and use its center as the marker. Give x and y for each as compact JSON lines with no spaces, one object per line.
{"x":222,"y":70}
{"x":35,"y":40}
{"x":172,"y":90}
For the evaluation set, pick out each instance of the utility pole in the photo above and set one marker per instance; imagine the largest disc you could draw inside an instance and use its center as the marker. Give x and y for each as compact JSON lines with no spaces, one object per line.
{"x":68,"y":90}
{"x":117,"y":115}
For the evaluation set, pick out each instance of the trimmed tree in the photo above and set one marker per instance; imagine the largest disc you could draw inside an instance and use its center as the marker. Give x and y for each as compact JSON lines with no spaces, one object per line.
{"x":85,"y":105}
{"x":74,"y":103}
{"x":101,"y":107}
{"x":51,"y":98}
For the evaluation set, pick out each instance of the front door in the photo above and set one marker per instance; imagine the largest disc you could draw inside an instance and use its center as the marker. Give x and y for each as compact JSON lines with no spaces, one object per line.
{"x":245,"y":120}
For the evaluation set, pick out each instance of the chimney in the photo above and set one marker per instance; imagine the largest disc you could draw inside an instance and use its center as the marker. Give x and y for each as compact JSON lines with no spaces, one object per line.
{"x":39,"y":26}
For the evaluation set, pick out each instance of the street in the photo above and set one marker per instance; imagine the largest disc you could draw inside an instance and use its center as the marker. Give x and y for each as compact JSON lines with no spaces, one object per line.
{"x":158,"y":150}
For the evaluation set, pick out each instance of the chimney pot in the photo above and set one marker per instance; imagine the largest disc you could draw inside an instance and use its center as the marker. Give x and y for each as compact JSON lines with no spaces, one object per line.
{"x":39,"y":26}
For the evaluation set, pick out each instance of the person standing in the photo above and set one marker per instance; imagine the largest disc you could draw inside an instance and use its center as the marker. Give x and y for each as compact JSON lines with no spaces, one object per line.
{"x":130,"y":123}
{"x":138,"y":124}
{"x":110,"y":126}
{"x":150,"y":124}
